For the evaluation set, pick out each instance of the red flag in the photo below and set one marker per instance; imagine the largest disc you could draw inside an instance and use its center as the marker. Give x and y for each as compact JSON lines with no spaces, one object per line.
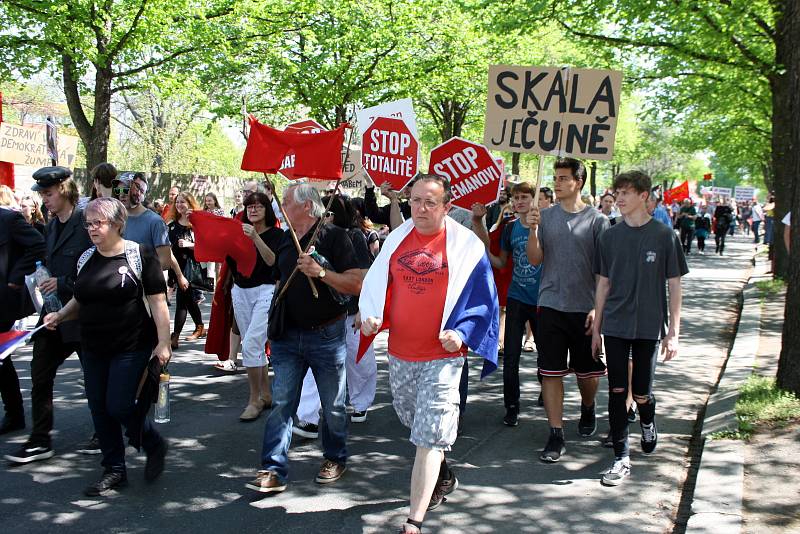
{"x":6,"y":168}
{"x":677,"y":193}
{"x":216,"y":237}
{"x":708,"y":176}
{"x":317,"y":155}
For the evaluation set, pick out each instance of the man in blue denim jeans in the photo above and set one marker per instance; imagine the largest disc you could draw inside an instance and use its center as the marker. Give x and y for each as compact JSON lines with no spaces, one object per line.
{"x":312,"y":335}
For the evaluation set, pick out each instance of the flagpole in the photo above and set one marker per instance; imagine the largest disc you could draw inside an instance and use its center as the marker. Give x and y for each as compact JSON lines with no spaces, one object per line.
{"x":327,"y":208}
{"x":280,"y":205}
{"x":539,"y":173}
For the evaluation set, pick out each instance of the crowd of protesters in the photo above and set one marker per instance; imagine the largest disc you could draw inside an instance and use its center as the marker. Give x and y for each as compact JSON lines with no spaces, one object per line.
{"x":543,"y":268}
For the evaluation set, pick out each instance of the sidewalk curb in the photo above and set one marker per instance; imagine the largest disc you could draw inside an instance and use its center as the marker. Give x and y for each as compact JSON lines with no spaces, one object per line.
{"x":717,"y":503}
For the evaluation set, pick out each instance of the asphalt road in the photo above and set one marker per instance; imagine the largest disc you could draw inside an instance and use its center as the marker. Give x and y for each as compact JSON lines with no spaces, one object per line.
{"x":503,"y":485}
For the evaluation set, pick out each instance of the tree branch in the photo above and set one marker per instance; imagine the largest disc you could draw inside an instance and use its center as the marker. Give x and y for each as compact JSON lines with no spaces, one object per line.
{"x":127,"y":35}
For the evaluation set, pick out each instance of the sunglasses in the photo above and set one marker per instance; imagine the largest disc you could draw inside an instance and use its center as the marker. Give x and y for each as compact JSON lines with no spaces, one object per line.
{"x":121,"y":190}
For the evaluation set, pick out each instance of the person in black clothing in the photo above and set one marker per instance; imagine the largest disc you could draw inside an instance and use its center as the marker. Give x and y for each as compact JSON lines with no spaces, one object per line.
{"x":121,"y":306}
{"x":182,"y":239}
{"x":308,"y":332}
{"x":384,"y":214}
{"x":21,"y":246}
{"x":702,"y":227}
{"x":66,"y":240}
{"x":723,"y":218}
{"x":251,"y":296}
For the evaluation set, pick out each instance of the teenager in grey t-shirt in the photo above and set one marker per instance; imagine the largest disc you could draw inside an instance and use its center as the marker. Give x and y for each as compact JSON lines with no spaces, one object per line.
{"x":569,"y":242}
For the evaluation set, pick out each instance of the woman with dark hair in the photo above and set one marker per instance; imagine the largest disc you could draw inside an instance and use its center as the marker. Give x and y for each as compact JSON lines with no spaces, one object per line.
{"x":181,"y":237}
{"x":251,"y":298}
{"x":102,"y":175}
{"x":210,"y":203}
{"x":362,"y":377}
{"x":366,"y":226}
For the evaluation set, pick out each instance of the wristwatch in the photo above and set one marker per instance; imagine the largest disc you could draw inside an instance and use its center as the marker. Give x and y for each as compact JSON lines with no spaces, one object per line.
{"x":321,"y":274}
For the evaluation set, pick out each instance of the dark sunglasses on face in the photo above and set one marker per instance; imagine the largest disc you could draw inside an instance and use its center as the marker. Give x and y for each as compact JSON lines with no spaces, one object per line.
{"x":121,"y":190}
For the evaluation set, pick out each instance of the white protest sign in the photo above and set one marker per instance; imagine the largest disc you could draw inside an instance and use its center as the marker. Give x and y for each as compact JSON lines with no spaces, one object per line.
{"x":27,"y":145}
{"x":352,"y":172}
{"x":721,"y":191}
{"x":551,"y":110}
{"x":743,"y":193}
{"x":399,"y":109}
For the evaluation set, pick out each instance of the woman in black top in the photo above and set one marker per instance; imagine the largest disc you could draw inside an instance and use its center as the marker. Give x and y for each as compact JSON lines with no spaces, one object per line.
{"x":124,"y":322}
{"x":251,"y":296}
{"x":723,"y":220}
{"x":182,"y":239}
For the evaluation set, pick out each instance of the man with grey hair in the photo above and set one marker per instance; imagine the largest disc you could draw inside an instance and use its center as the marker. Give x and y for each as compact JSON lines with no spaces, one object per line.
{"x":308,"y":332}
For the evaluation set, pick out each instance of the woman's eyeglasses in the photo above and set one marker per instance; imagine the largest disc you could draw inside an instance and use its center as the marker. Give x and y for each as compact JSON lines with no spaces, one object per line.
{"x":94,"y":225}
{"x":121,"y":190}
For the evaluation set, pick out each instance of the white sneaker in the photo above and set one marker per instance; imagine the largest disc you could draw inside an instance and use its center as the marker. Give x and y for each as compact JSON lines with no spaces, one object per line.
{"x":228,"y":366}
{"x":618,"y":472}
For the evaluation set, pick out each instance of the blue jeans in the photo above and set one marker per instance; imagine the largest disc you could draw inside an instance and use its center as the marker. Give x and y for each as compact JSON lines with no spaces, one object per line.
{"x":111,"y":383}
{"x":756,"y":224}
{"x":324,"y":350}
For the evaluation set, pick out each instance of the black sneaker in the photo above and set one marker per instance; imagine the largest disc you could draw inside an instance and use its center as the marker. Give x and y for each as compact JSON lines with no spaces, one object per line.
{"x":91,"y":447}
{"x":358,"y":417}
{"x":554,"y":449}
{"x":305,"y":430}
{"x":587,"y":426}
{"x":154,"y":465}
{"x":511,"y":418}
{"x":632,"y":414}
{"x":30,"y":453}
{"x":437,"y":498}
{"x":607,"y":441}
{"x":110,"y":480}
{"x":649,"y":437}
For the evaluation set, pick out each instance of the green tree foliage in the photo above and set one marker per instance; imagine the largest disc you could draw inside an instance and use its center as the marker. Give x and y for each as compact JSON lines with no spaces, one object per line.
{"x":102,"y":48}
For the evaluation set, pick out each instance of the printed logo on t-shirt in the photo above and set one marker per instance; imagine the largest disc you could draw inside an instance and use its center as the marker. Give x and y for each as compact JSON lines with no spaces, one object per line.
{"x":424,"y":265}
{"x":650,"y":256}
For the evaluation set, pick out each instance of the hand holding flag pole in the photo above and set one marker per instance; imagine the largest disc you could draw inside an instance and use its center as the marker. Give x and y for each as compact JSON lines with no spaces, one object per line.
{"x":327,"y":208}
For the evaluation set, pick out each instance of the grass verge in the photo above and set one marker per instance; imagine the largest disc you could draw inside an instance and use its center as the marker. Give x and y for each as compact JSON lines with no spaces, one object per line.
{"x":761,"y":403}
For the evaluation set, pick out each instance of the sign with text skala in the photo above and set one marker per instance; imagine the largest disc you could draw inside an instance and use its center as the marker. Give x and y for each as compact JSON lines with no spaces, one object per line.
{"x":473,"y":172}
{"x":552,"y":111}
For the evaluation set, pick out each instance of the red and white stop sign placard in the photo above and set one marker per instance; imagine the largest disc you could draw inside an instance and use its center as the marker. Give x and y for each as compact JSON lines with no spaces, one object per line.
{"x":306,"y":126}
{"x":473,"y":172}
{"x":389,"y":152}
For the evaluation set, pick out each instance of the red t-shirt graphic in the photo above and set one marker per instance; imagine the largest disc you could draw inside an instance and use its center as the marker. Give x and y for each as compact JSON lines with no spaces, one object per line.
{"x":418,"y":279}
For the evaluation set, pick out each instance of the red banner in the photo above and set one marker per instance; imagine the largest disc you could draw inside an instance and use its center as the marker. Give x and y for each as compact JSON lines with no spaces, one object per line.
{"x":6,"y":168}
{"x":708,"y":176}
{"x":218,"y":237}
{"x":677,"y":194}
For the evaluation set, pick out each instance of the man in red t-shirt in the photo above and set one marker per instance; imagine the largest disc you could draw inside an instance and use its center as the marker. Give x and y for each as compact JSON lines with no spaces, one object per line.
{"x":424,"y":362}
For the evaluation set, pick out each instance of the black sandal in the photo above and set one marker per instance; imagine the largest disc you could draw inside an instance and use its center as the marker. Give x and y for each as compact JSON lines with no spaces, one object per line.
{"x":415,"y":524}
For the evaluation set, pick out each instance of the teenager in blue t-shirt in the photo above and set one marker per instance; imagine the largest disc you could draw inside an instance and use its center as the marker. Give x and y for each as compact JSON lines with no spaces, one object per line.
{"x":523,"y":293}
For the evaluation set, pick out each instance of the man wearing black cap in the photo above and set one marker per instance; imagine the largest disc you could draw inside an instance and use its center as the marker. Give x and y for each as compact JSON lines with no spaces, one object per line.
{"x":144,"y":226}
{"x":66,"y":240}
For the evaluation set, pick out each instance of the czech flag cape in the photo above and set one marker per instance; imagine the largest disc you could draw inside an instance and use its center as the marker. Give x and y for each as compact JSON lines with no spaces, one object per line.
{"x":471,"y":307}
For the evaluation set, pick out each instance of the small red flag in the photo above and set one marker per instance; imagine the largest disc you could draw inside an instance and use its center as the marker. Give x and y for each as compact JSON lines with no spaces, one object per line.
{"x":317,"y":155}
{"x":677,"y":194}
{"x":217,"y":237}
{"x":708,"y":176}
{"x":6,"y":168}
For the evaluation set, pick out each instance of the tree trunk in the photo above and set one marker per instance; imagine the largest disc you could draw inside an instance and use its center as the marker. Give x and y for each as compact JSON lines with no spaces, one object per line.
{"x":593,"y":179}
{"x":515,"y":163}
{"x":786,"y":169}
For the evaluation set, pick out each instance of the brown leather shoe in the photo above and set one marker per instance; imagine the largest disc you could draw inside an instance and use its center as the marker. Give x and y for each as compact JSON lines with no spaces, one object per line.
{"x":199,"y":331}
{"x":266,"y":482}
{"x":173,"y":341}
{"x":330,"y":472}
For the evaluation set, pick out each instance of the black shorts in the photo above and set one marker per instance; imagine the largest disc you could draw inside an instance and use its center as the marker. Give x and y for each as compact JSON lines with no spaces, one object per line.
{"x":560,"y":333}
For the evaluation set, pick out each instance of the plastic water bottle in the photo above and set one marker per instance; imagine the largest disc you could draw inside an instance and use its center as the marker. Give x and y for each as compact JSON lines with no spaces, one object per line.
{"x":51,"y":302}
{"x":162,"y":405}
